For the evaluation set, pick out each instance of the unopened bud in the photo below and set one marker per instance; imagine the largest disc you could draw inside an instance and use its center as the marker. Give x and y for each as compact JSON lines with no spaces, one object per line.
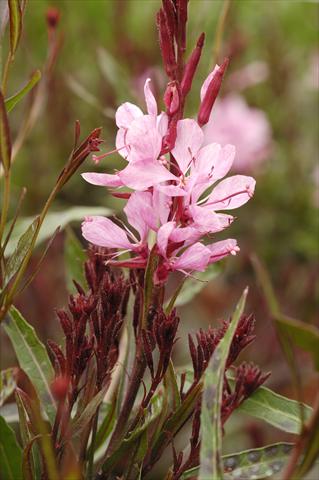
{"x":53,"y":17}
{"x":191,"y":66}
{"x":59,"y":388}
{"x":166,"y":40}
{"x":171,"y":98}
{"x":211,"y":94}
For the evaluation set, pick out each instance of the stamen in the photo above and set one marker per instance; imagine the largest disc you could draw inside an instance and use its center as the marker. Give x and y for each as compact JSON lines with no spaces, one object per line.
{"x":97,"y":158}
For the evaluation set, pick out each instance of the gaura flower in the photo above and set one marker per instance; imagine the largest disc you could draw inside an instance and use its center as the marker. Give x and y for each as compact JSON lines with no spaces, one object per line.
{"x":145,"y":212}
{"x":139,"y":141}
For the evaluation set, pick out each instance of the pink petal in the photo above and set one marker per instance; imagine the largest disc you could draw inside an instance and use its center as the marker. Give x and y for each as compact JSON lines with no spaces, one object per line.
{"x":231,"y":193}
{"x":215,"y":160}
{"x":195,"y":258}
{"x":103,"y":232}
{"x":188,"y":142}
{"x":205,"y":220}
{"x":126,"y":113}
{"x":150,"y":99}
{"x":207,"y":82}
{"x":172,"y":190}
{"x":121,"y":142}
{"x":163,"y":235}
{"x":162,"y":124}
{"x":103,"y":179}
{"x":143,"y":174}
{"x":140,"y":213}
{"x":222,"y":249}
{"x":185,"y":234}
{"x":144,"y":139}
{"x":161,"y":204}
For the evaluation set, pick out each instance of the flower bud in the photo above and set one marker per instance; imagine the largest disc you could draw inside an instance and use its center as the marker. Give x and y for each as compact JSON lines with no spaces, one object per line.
{"x":53,"y":17}
{"x":171,"y":98}
{"x":59,"y":388}
{"x":191,"y":66}
{"x":211,"y":94}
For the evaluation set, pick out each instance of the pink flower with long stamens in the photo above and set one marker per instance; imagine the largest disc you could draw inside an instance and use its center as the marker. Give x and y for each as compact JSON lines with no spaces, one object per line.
{"x":179,"y":191}
{"x":139,"y":141}
{"x":144,"y":211}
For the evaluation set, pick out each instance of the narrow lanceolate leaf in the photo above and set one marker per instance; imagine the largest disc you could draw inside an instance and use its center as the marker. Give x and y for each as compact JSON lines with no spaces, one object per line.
{"x":15,"y":16}
{"x":301,"y":334}
{"x":7,"y":384}
{"x":5,"y":139}
{"x":278,"y":411}
{"x":137,"y":437}
{"x":88,"y":413}
{"x":21,"y":250}
{"x":211,"y":465}
{"x":10,"y":453}
{"x":12,"y":101}
{"x":52,"y":221}
{"x":33,"y":358}
{"x":254,"y":464}
{"x":75,"y":257}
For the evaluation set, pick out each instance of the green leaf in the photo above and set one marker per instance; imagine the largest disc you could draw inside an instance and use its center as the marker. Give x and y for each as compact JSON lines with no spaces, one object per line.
{"x":10,"y":453}
{"x":137,"y":435}
{"x":15,"y":16}
{"x":7,"y":384}
{"x":5,"y":138}
{"x":26,"y":437}
{"x":278,"y":411}
{"x":254,"y":464}
{"x":75,"y":257}
{"x":176,"y":420}
{"x":32,"y":357}
{"x":107,"y":411}
{"x":171,"y":387}
{"x":192,"y":286}
{"x":79,"y":423}
{"x":211,"y":441}
{"x":52,"y":221}
{"x":12,"y":101}
{"x":302,"y":334}
{"x":21,"y":250}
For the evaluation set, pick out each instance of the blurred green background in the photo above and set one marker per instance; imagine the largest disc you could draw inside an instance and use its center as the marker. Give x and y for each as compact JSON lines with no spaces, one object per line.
{"x":107,"y":50}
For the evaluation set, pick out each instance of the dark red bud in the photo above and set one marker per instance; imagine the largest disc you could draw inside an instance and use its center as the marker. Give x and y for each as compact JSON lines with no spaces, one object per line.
{"x":166,"y":40}
{"x":171,"y":98}
{"x":211,"y":94}
{"x":191,"y":66}
{"x":53,"y":17}
{"x":59,"y":388}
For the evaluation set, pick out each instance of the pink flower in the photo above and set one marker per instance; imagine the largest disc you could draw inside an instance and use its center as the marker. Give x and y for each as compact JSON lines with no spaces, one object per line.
{"x":233,"y":121}
{"x":195,"y":258}
{"x":139,"y":141}
{"x":145,"y":212}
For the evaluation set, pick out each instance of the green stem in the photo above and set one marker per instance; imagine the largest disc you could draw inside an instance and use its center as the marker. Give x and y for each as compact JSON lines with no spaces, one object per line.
{"x":6,"y":74}
{"x":220,"y":29}
{"x":5,"y":205}
{"x":92,"y":447}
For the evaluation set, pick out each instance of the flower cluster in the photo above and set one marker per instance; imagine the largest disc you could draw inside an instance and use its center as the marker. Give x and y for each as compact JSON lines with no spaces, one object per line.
{"x":177,"y":196}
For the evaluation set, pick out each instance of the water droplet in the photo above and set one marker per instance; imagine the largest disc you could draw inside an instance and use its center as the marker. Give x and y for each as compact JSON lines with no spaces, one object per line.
{"x":254,"y":456}
{"x":230,"y":463}
{"x":277,"y":466}
{"x":271,"y":451}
